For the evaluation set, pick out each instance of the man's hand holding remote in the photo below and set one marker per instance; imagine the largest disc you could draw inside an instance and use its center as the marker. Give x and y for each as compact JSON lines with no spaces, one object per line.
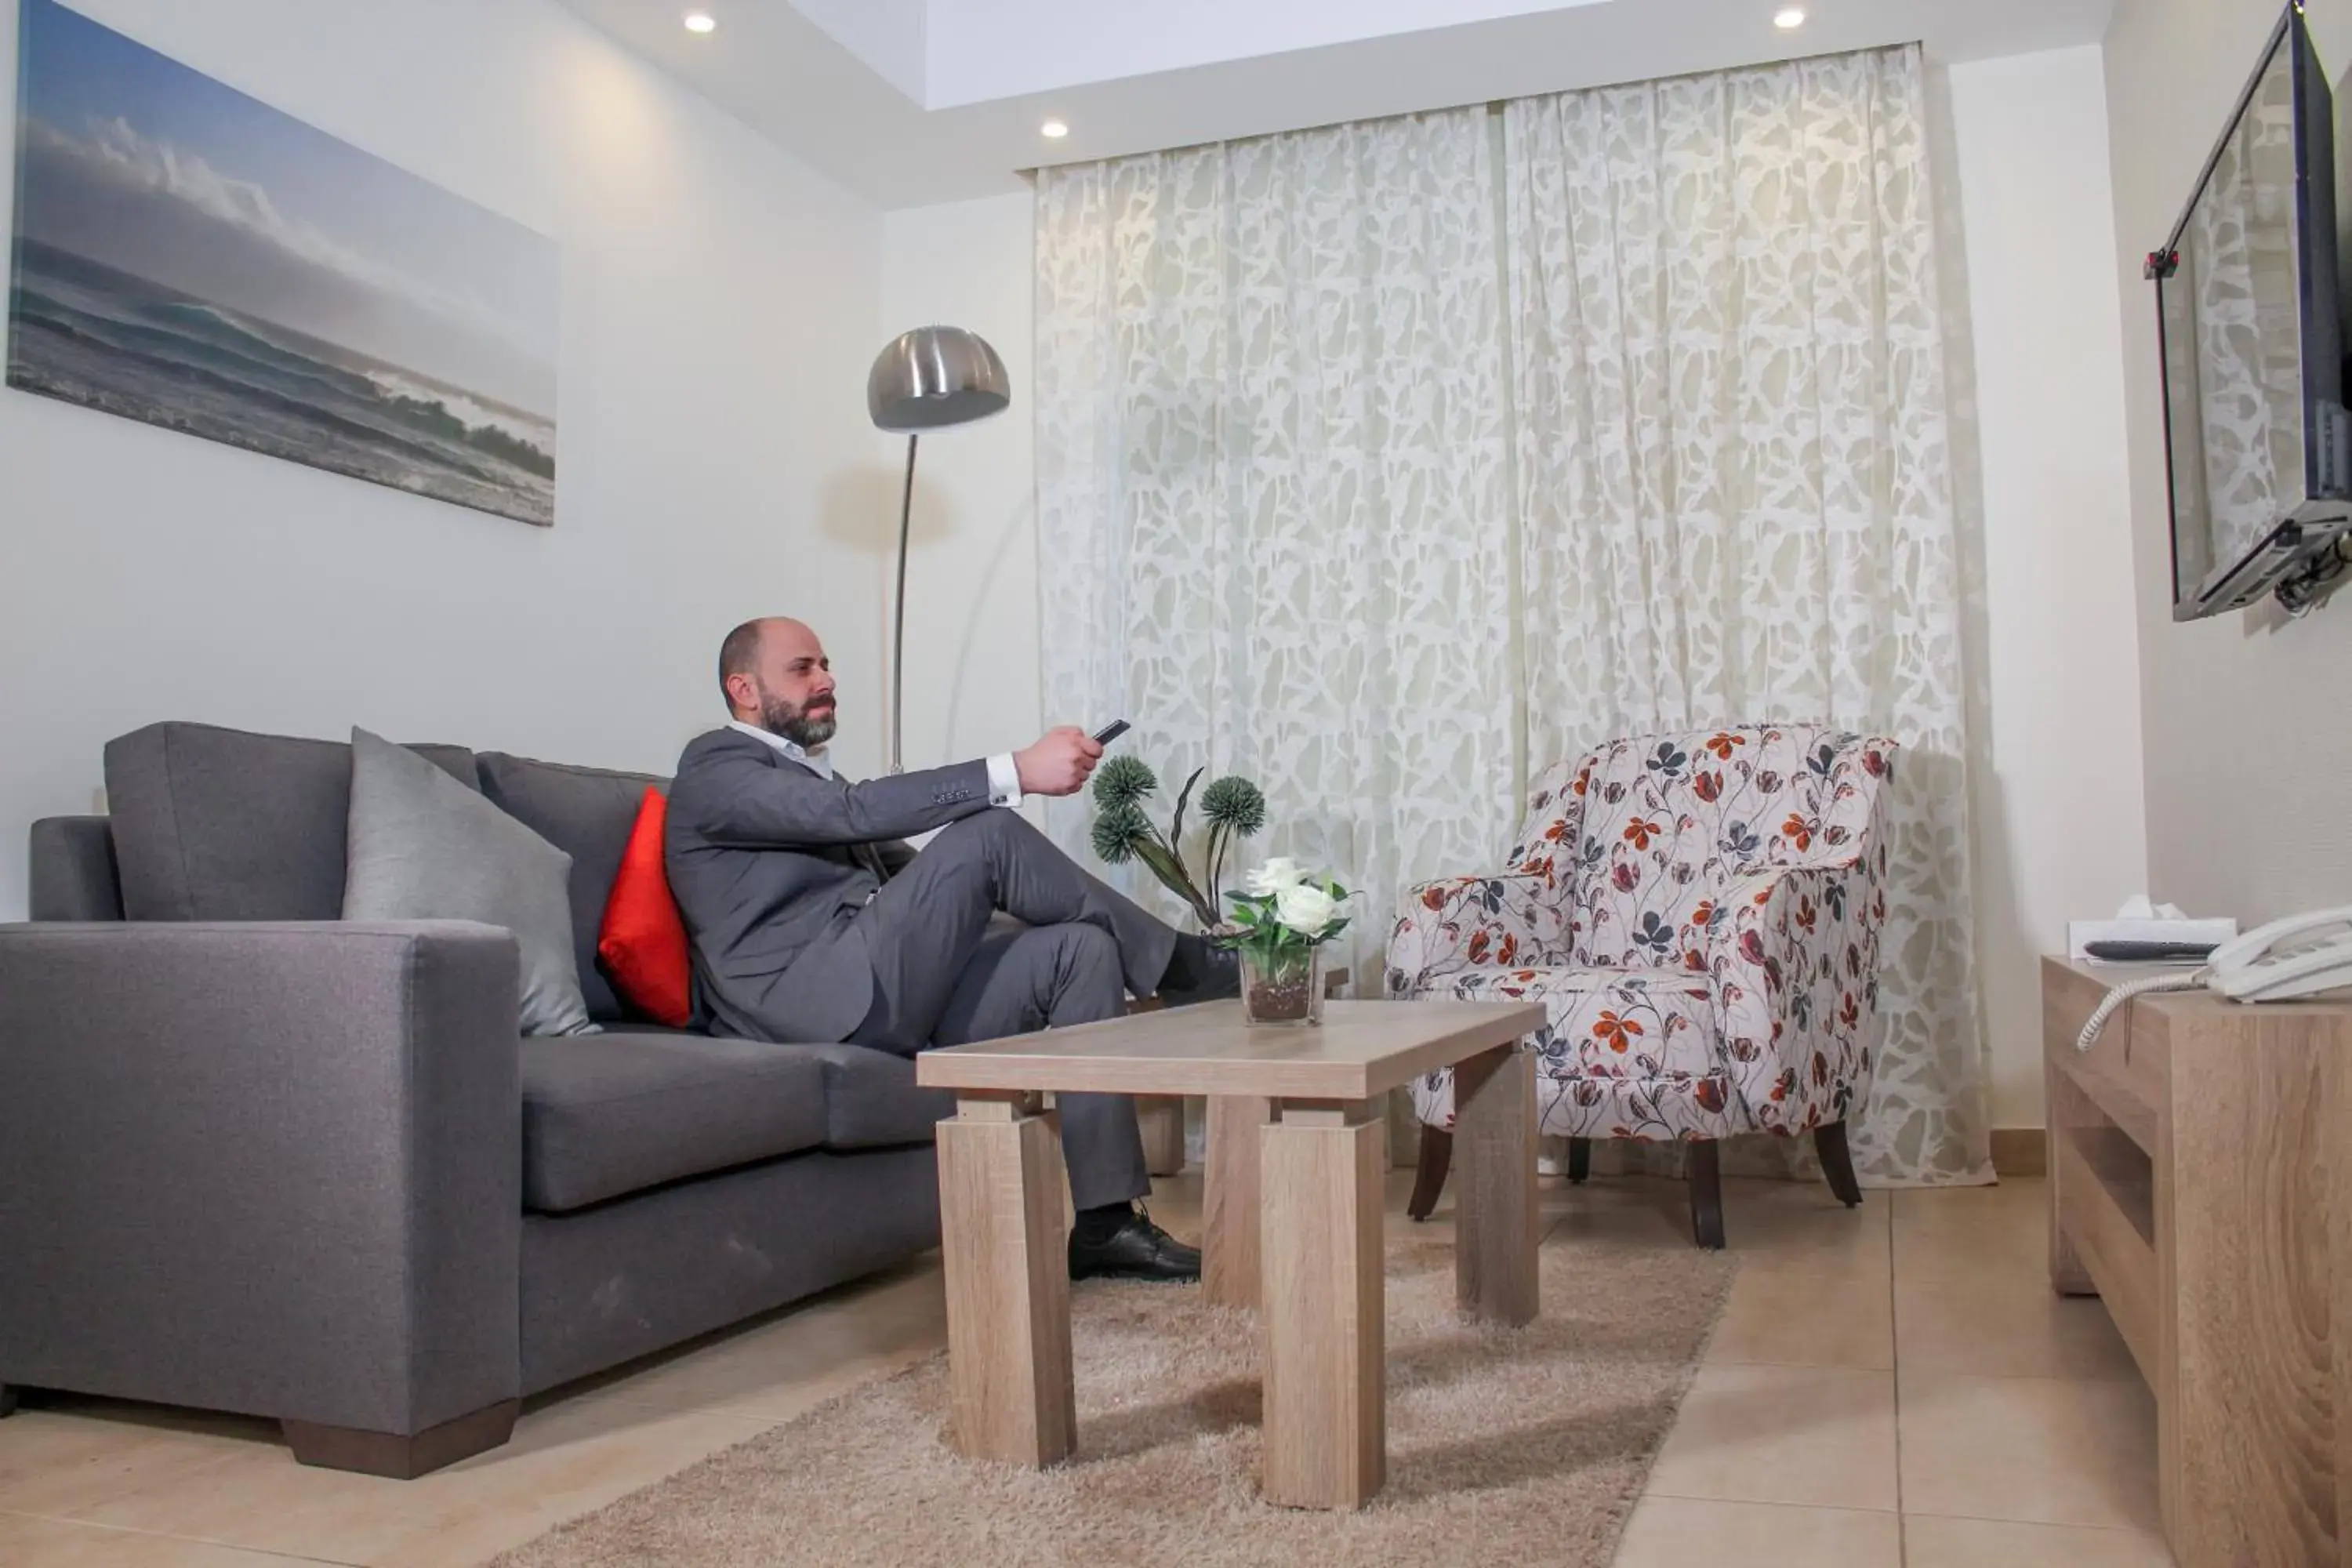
{"x":1059,"y":763}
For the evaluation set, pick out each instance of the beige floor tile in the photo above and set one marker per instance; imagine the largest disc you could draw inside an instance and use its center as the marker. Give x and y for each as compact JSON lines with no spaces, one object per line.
{"x":1934,"y":1542}
{"x":1819,"y":1436}
{"x":567,"y":1458}
{"x":1768,"y":1223}
{"x":71,"y":1455}
{"x":1801,"y":1226}
{"x":1674,"y":1532}
{"x":797,"y":1359}
{"x":56,"y":1543}
{"x":1794,"y":1317}
{"x":2004,"y":1325}
{"x":1642,"y":1211}
{"x":2040,"y":1451}
{"x":1969,"y":1232}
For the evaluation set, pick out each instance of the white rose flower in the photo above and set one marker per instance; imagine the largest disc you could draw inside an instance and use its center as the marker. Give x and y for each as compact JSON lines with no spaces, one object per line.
{"x":1305,"y":908}
{"x":1274,"y":876}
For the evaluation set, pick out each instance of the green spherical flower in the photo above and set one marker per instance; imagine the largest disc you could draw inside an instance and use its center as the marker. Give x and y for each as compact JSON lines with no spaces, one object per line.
{"x":1122,"y":781}
{"x":1118,"y":831}
{"x":1235,"y":803}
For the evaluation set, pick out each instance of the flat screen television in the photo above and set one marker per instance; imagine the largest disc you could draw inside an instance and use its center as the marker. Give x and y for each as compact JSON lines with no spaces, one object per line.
{"x":2249,"y":295}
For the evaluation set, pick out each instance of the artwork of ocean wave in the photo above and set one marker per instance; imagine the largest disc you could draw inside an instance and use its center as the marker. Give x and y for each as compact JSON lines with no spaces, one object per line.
{"x":187,"y":257}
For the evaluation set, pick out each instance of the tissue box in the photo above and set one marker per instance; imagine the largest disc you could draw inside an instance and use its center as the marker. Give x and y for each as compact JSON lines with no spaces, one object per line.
{"x":2209,"y":932}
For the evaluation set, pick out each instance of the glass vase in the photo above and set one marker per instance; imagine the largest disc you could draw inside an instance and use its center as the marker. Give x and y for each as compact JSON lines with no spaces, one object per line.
{"x":1282,"y":987}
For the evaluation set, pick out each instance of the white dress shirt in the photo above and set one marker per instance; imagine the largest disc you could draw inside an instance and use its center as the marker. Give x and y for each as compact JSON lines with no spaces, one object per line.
{"x":1003,"y":776}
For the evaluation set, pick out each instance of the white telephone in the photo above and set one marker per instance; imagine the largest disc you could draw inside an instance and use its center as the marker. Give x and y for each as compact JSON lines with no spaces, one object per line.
{"x":2302,"y":955}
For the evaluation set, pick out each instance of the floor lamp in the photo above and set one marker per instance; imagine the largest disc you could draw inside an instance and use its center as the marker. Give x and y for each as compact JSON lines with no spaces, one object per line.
{"x":929,"y":379}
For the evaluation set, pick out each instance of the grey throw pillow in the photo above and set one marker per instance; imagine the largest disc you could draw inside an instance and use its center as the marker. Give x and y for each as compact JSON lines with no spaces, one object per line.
{"x":423,"y":847}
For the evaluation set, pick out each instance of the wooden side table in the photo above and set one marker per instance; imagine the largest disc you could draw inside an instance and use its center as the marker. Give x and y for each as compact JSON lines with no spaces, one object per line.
{"x":2200,"y":1185}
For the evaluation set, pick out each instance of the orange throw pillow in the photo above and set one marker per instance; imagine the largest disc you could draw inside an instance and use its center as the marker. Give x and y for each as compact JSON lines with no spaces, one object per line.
{"x":641,"y":945}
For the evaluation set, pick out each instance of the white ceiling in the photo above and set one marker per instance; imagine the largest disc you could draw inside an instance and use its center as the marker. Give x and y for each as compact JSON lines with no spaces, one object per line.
{"x":976,"y":51}
{"x":914,"y":102}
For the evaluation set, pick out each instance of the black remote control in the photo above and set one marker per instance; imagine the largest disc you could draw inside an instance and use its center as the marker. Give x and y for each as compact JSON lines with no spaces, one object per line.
{"x":2122,"y":951}
{"x":1110,"y":731}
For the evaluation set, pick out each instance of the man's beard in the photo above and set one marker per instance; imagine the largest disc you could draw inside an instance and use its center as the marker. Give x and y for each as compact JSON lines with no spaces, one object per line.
{"x":797,"y":723}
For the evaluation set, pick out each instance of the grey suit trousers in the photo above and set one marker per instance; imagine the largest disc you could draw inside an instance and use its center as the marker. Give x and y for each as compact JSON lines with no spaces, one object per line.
{"x":949,"y":970}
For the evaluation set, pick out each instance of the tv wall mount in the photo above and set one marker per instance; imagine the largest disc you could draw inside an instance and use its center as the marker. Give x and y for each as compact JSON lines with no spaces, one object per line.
{"x":2299,"y":592}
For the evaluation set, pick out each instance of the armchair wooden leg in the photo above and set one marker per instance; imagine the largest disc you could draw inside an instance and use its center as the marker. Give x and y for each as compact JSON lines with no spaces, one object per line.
{"x":1429,"y":1175}
{"x":1705,"y":1196}
{"x":1580,"y":1159}
{"x":1837,"y":1163}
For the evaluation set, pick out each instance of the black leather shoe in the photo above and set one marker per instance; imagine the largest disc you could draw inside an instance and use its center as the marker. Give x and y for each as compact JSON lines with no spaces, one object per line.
{"x":1211,"y":975}
{"x":1135,"y":1250}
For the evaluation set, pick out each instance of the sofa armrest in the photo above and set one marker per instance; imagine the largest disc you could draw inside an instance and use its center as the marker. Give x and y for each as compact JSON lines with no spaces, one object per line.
{"x":73,"y":875}
{"x":1464,"y":922}
{"x":267,"y":1168}
{"x":1794,"y":955}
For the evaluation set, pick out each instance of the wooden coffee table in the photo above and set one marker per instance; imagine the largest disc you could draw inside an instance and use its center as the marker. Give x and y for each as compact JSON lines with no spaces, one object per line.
{"x":1293,"y":1211}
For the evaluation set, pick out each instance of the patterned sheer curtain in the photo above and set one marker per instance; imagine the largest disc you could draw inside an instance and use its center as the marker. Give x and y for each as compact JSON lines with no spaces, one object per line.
{"x":1734,"y":470}
{"x":1388,"y":470}
{"x":1273,"y":517}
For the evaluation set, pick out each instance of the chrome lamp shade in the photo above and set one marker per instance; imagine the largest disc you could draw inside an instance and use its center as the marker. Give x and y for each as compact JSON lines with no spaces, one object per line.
{"x":929,"y":379}
{"x":933,"y":377}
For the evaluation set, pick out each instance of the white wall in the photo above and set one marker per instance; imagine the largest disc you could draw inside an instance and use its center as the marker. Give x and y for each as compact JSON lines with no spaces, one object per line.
{"x":972,"y":616}
{"x":718,"y":319}
{"x":2059,"y":827}
{"x":2248,"y":749}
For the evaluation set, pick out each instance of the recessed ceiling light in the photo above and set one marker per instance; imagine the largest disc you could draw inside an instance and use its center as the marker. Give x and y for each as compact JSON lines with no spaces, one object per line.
{"x":701,"y":22}
{"x":1054,"y":129}
{"x":1791,"y":16}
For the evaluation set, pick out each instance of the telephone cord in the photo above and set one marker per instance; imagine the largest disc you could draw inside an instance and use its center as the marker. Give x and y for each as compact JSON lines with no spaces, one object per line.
{"x":2129,"y":989}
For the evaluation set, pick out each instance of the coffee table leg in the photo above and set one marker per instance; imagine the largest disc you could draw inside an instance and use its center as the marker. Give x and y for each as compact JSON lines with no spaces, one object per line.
{"x":1326,"y":1378}
{"x":1008,"y":1280}
{"x":1495,"y":1224}
{"x":1229,"y":1200}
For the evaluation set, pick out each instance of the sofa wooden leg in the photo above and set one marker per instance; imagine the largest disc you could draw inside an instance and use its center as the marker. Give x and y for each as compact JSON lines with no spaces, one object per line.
{"x":1429,"y":1175}
{"x":1580,"y":1159}
{"x":1705,"y":1196}
{"x":1837,"y":1163}
{"x":397,"y":1458}
{"x":8,"y":1401}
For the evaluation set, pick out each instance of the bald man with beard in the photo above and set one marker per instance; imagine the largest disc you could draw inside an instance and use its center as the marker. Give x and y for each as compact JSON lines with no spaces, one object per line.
{"x":812,"y":921}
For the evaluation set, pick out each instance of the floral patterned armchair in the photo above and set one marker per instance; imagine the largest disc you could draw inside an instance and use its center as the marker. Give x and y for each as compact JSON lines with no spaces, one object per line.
{"x":1700,"y":915}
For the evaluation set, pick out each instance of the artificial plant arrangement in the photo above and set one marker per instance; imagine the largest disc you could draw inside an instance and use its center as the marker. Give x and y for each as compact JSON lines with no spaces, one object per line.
{"x":1279,"y":926}
{"x":1233,"y":806}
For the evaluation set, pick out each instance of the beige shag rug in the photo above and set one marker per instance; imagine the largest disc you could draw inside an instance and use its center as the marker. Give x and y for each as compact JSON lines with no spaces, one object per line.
{"x":1504,"y":1446}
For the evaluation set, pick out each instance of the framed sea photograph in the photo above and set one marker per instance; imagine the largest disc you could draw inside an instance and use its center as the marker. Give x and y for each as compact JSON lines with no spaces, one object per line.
{"x":189,"y":257}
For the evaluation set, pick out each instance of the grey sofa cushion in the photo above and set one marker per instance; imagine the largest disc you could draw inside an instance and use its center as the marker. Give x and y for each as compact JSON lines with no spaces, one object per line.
{"x":615,"y":1113}
{"x":218,"y":824}
{"x":425,"y":847}
{"x":586,"y":813}
{"x":871,"y":1100}
{"x":72,"y":874}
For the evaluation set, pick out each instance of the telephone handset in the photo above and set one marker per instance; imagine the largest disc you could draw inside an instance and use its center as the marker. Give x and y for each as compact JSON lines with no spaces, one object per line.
{"x":2301,"y":955}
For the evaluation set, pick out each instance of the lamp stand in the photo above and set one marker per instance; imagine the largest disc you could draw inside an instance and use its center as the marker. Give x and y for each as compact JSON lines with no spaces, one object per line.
{"x":899,"y":617}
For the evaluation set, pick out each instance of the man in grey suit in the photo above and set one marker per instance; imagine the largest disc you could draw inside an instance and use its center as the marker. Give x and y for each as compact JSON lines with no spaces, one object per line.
{"x":812,"y":921}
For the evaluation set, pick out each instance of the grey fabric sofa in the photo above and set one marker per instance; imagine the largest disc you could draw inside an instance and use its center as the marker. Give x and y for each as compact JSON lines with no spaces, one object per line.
{"x":255,"y":1159}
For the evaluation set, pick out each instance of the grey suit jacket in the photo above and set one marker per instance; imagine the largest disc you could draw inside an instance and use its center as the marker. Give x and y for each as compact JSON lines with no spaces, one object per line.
{"x":772,"y":863}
